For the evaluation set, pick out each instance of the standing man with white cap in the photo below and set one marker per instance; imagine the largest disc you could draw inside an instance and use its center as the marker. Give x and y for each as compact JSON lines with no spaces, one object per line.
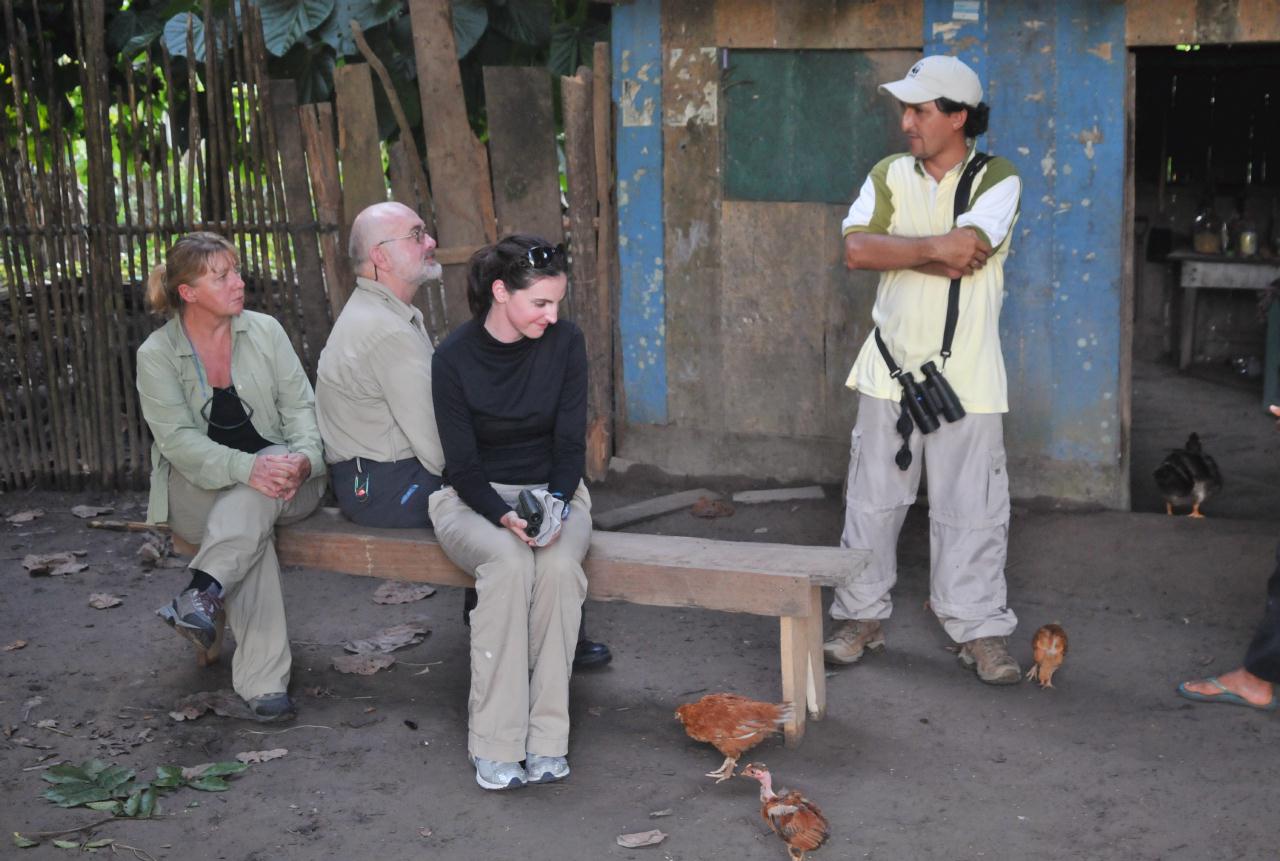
{"x":936,"y":223}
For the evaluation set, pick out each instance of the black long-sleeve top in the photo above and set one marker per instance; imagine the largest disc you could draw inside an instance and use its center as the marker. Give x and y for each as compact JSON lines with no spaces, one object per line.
{"x":511,"y":413}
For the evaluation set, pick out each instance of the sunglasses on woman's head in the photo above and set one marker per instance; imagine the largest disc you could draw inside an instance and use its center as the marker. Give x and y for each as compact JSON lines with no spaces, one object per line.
{"x":541,"y":256}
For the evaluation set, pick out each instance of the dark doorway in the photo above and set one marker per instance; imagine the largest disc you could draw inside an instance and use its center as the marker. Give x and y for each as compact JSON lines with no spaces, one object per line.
{"x":1207,"y":235}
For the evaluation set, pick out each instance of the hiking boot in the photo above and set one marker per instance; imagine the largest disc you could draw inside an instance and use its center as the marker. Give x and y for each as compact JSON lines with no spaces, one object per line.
{"x":545,"y":769}
{"x":196,"y":615}
{"x":850,"y":639}
{"x":588,"y":655}
{"x":989,"y":657}
{"x":491,"y":774}
{"x":270,"y":708}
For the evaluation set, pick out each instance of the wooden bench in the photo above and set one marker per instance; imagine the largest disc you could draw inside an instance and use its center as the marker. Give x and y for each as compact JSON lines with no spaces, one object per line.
{"x":780,"y":580}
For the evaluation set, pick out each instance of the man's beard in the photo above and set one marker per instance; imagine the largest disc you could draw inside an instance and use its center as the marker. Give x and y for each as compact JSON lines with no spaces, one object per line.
{"x":433,"y":271}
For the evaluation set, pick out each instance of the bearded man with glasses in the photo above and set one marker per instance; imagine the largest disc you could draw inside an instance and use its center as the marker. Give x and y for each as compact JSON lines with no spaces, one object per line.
{"x":373,"y":383}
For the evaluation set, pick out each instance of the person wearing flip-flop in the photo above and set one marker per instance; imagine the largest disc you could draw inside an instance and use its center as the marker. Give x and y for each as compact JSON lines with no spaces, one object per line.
{"x":1253,"y":684}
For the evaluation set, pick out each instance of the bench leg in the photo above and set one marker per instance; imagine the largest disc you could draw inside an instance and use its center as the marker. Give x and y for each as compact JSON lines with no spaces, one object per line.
{"x":817,"y":684}
{"x":795,"y":674}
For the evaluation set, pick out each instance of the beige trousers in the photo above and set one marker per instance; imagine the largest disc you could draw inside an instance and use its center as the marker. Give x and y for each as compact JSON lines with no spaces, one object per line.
{"x":968,"y":519}
{"x":235,"y":528}
{"x":524,"y":628}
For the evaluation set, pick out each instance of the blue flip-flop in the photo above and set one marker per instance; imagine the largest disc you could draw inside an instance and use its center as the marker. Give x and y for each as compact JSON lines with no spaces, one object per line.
{"x":1226,"y":696}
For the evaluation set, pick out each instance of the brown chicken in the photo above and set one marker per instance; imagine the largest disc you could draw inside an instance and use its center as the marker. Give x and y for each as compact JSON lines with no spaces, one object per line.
{"x":1048,"y":649}
{"x":732,"y":725}
{"x":794,"y":818}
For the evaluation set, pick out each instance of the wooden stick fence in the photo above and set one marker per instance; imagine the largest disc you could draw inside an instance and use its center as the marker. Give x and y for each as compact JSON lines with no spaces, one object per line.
{"x":86,"y":218}
{"x":172,"y":144}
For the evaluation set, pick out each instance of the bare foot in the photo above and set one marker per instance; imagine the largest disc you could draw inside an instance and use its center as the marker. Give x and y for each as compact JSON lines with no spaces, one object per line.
{"x":1240,"y":682}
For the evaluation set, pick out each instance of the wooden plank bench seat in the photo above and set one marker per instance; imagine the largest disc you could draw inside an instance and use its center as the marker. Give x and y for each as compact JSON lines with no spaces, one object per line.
{"x":780,"y":580}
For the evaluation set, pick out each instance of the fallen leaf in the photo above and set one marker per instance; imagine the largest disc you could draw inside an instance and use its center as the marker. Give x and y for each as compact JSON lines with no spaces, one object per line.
{"x":101,"y":601}
{"x":424,"y":832}
{"x":395,"y":592}
{"x":84,"y":512}
{"x":15,"y":645}
{"x":23,"y":842}
{"x":390,"y":639}
{"x":55,"y":564}
{"x":660,"y":813}
{"x":641,"y":838}
{"x":707,"y":507}
{"x":253,"y":756}
{"x":223,"y":702}
{"x":47,"y":723}
{"x":25,"y":516}
{"x":365,"y":664}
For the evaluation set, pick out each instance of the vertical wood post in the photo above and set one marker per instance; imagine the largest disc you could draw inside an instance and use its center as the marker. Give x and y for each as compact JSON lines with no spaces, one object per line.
{"x":591,"y":298}
{"x":297,"y":199}
{"x":458,"y":164}
{"x":522,"y":151}
{"x":359,"y":149}
{"x":322,"y":163}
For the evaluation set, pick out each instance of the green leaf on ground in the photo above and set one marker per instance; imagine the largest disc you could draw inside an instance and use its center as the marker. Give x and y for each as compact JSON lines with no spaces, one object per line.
{"x":23,"y":842}
{"x":66,"y":844}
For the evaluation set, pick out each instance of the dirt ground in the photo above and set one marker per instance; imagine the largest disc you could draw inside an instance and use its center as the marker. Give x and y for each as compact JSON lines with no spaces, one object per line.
{"x":916,"y":759}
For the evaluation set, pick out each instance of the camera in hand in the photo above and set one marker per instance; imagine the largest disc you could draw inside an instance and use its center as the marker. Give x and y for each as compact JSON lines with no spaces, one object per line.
{"x":528,"y":509}
{"x":930,"y":399}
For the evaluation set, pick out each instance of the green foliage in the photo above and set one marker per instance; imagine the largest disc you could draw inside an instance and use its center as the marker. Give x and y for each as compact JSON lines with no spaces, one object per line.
{"x":114,"y":789}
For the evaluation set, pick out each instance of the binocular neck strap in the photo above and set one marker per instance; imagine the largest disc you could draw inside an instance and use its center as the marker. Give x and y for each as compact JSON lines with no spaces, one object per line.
{"x":953,"y":293}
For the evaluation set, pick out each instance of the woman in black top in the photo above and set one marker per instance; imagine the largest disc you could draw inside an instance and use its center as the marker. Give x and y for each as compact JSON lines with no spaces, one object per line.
{"x":510,"y":393}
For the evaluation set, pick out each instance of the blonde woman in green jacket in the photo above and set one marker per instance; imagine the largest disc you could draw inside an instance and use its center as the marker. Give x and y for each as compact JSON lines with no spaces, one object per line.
{"x":236,"y":451}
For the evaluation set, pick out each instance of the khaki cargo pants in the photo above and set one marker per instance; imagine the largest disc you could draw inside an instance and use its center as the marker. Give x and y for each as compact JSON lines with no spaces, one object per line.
{"x":524,"y":628}
{"x":235,"y":528}
{"x":968,"y":518}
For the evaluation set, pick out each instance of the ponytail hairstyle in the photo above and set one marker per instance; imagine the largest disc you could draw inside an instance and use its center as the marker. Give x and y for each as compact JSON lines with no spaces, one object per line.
{"x":517,"y":261}
{"x":186,"y":261}
{"x":975,"y":123}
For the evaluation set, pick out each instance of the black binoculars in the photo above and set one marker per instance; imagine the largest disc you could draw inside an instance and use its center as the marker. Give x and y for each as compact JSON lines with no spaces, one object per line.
{"x":530,"y":511}
{"x":930,"y":398}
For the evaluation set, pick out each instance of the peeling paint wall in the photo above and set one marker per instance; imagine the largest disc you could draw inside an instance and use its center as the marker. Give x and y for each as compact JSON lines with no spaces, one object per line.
{"x":1055,"y":81}
{"x":637,"y":64}
{"x":694,"y":351}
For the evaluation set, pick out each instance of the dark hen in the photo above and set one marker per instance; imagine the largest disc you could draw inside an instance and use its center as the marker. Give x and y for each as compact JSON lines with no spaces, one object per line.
{"x":1188,"y":476}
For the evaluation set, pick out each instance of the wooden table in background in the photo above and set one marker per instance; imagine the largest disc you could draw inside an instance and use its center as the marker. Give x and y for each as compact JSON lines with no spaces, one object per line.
{"x":1216,"y":272}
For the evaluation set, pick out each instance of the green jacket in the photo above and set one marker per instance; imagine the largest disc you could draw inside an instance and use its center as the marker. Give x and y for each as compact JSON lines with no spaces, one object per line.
{"x":267,"y":376}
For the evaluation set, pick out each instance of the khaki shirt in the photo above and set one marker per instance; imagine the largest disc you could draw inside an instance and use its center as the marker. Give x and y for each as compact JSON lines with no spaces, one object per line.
{"x":900,"y":199}
{"x":173,"y":387}
{"x":373,"y":383}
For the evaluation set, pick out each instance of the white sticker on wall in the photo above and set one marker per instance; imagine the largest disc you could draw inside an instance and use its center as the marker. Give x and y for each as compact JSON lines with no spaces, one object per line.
{"x":965,"y":10}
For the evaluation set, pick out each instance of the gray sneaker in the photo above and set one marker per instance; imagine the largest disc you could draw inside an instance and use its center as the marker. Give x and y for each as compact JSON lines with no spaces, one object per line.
{"x":851,"y":639}
{"x":195,"y":615}
{"x":546,"y":769}
{"x":989,"y":657}
{"x":491,"y":774}
{"x":270,"y":708}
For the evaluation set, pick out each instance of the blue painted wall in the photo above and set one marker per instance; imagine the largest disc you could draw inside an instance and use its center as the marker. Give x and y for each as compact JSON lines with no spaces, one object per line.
{"x":1055,"y":79}
{"x":637,"y":91}
{"x":1054,"y":74}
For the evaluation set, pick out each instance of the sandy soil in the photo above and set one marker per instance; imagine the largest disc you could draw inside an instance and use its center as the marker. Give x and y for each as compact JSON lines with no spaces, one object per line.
{"x":916,"y":759}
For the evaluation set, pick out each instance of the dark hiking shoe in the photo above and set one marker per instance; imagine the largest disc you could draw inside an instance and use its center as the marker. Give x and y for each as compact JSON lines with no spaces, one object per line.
{"x":589,"y":655}
{"x":851,"y":639}
{"x":196,"y":615}
{"x":269,"y":708}
{"x":989,"y":657}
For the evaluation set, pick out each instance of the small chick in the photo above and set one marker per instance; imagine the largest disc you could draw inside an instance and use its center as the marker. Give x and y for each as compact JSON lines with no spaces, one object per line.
{"x":732,"y":725}
{"x":1048,"y":650}
{"x":794,"y":818}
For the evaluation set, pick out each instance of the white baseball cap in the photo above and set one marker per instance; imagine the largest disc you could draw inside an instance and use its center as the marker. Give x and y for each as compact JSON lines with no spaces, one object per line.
{"x":938,"y":76}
